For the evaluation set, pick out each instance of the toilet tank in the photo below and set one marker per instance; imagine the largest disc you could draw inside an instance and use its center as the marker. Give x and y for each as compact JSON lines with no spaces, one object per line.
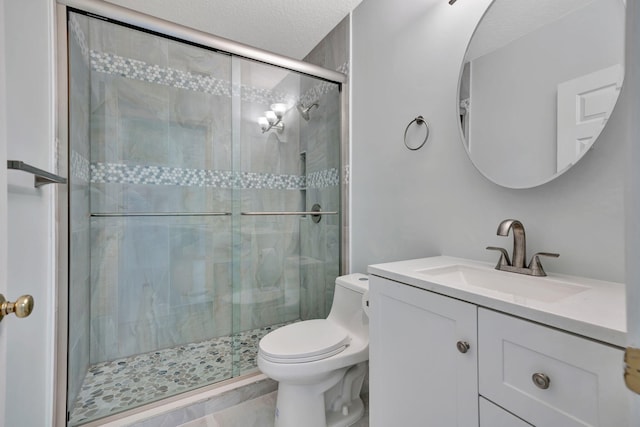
{"x":347,"y":308}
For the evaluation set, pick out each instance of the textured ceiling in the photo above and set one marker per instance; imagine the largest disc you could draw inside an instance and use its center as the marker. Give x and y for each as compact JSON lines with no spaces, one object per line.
{"x":288,"y":27}
{"x":508,"y":20}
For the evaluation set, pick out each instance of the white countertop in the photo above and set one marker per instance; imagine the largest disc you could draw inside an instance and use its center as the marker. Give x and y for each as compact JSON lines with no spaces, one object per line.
{"x":598,"y":313}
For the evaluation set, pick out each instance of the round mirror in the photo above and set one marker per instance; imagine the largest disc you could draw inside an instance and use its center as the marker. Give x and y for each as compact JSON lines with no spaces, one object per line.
{"x":538,"y":83}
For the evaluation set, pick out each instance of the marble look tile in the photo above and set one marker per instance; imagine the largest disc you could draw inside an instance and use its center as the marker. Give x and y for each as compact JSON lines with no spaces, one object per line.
{"x":159,"y":282}
{"x":138,"y":45}
{"x":104,"y":127}
{"x":79,"y":243}
{"x":170,"y":420}
{"x":201,"y":110}
{"x":145,"y":102}
{"x":198,"y":60}
{"x":79,"y":268}
{"x":79,"y":32}
{"x":78,"y":366}
{"x":258,"y":412}
{"x":210,"y":405}
{"x":333,"y":50}
{"x":208,"y":421}
{"x":104,"y":338}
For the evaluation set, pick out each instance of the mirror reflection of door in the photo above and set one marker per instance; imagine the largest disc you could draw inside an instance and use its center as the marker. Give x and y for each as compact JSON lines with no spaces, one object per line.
{"x":584,"y":106}
{"x":465,"y":103}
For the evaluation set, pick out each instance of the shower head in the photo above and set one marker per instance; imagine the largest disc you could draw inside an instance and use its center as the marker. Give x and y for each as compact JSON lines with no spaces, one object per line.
{"x":304,"y":111}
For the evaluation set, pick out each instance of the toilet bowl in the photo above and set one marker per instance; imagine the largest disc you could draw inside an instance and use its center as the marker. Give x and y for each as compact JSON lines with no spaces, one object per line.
{"x":320,"y":364}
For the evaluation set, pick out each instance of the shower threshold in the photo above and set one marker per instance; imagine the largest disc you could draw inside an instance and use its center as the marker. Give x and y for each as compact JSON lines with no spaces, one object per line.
{"x":122,"y":384}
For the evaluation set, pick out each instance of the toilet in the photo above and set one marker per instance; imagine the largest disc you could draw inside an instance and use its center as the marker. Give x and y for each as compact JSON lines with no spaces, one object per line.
{"x":320,"y":364}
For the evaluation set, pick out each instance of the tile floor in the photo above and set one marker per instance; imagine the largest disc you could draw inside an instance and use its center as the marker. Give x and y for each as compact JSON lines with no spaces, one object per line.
{"x":258,"y":412}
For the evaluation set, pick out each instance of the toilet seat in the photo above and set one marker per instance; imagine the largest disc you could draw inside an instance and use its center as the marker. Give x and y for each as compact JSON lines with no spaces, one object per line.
{"x":305,"y":341}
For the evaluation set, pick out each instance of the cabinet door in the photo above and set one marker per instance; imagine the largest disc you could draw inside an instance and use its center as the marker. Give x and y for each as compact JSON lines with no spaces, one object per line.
{"x":418,"y":377}
{"x":494,"y":416}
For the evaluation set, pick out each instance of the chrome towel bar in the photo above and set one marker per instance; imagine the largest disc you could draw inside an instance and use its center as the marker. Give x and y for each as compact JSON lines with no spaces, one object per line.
{"x":288,"y":213}
{"x":316,"y":213}
{"x":118,"y":214}
{"x":41,"y":177}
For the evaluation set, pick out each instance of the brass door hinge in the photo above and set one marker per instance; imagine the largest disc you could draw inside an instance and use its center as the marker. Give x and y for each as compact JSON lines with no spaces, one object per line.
{"x":632,"y":369}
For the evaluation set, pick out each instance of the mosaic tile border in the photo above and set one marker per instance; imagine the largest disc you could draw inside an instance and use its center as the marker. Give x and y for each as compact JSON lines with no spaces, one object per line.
{"x":269,"y":181}
{"x":122,"y":384}
{"x":318,"y":91}
{"x":79,"y":36}
{"x":113,"y":64}
{"x":80,"y":168}
{"x":110,"y":63}
{"x":323,"y":178}
{"x":117,"y":173}
{"x":139,"y":70}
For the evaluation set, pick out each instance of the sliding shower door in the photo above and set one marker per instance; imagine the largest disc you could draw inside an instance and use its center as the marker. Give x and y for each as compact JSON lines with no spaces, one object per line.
{"x":288,"y":259}
{"x":190,"y":227}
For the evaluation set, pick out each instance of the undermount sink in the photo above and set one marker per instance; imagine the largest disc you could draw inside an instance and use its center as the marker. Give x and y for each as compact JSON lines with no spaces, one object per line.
{"x":542,"y":289}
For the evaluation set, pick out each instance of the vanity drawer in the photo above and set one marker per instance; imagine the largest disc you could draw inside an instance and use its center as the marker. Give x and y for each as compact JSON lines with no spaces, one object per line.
{"x":585,"y":385}
{"x":494,"y":416}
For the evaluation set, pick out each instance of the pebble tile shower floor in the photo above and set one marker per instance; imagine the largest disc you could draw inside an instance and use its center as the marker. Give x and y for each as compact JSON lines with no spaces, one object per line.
{"x":122,"y":384}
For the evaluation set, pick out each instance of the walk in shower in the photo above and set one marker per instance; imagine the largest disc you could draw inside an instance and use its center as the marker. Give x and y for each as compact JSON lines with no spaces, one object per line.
{"x":190,"y":227}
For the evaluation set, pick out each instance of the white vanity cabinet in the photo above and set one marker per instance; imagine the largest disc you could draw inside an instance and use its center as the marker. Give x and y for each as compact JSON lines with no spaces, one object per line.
{"x":514,"y":373}
{"x":418,"y":377}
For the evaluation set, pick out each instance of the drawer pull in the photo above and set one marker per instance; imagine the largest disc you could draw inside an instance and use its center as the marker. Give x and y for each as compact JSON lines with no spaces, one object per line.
{"x":463,"y":346}
{"x":541,"y":380}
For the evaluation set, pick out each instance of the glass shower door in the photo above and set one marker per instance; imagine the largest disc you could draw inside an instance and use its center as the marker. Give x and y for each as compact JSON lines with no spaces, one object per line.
{"x":151,"y":199}
{"x":287,"y":166}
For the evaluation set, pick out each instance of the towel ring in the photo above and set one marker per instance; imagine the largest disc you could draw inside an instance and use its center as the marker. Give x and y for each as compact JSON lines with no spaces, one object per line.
{"x":419,"y":121}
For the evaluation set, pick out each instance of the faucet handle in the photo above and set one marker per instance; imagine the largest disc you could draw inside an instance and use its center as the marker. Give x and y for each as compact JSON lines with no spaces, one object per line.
{"x":536,"y":267}
{"x":504,"y":257}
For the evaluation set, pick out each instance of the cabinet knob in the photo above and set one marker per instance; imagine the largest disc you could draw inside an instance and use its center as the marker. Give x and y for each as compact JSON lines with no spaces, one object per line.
{"x":541,"y":380}
{"x":463,"y":346}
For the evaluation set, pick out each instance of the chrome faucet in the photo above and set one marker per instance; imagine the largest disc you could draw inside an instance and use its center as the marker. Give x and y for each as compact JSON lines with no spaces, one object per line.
{"x":516,"y":264}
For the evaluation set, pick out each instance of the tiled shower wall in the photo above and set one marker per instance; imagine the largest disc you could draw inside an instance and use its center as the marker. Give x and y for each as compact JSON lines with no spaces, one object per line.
{"x":270,"y":245}
{"x":79,"y":273}
{"x":160,"y":143}
{"x":321,"y":246}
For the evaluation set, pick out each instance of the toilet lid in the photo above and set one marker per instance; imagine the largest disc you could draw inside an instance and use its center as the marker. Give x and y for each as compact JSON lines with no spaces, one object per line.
{"x":304,"y":342}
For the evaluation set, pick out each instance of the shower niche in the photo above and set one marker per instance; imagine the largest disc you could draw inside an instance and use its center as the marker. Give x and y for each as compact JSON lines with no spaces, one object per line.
{"x":188,"y":234}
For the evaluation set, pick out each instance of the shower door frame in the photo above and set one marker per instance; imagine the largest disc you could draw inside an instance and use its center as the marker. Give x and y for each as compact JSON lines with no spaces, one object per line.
{"x":181,"y":33}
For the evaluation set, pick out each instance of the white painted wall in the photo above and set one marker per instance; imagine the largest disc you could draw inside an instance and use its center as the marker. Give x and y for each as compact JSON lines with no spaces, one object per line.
{"x":406,"y":61}
{"x":632,"y":87}
{"x":27,"y":32}
{"x":3,"y":216}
